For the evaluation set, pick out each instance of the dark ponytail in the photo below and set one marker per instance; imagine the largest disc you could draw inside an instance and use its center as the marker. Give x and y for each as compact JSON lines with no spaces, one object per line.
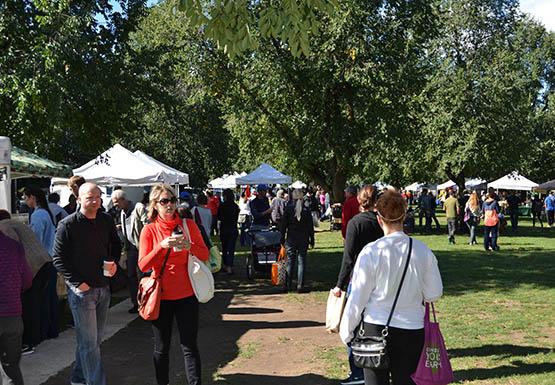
{"x":40,"y":196}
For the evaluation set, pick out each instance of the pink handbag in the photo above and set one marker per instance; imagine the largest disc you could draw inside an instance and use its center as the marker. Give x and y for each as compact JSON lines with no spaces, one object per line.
{"x":434,"y":367}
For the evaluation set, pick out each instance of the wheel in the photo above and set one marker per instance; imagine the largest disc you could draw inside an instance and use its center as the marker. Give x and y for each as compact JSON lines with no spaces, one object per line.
{"x":250,"y":267}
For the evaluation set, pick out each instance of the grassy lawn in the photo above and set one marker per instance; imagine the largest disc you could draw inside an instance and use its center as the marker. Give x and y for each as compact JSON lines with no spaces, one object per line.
{"x":498,"y":310}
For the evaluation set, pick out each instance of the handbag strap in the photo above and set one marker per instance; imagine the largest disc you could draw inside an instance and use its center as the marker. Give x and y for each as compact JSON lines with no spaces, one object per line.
{"x":164,"y":264}
{"x":385,"y":330}
{"x":427,"y":313}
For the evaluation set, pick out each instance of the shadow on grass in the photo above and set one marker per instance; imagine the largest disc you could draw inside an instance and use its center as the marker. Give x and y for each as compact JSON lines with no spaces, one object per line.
{"x":462,"y":271}
{"x":503,"y":271}
{"x":503,"y":351}
{"x":516,"y":368}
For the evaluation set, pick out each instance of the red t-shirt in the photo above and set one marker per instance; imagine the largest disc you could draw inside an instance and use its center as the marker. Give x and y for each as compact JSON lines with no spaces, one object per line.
{"x":349,"y":210}
{"x":175,"y":281}
{"x":213,"y":204}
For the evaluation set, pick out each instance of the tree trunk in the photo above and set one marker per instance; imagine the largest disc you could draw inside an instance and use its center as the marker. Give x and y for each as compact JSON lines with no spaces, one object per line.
{"x":338,"y":186}
{"x":459,"y":179}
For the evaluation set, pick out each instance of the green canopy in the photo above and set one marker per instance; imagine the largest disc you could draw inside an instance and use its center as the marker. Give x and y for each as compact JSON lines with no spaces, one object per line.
{"x":26,"y":164}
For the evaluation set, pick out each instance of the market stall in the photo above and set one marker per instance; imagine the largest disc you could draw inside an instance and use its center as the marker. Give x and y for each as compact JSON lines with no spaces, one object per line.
{"x":264,"y":174}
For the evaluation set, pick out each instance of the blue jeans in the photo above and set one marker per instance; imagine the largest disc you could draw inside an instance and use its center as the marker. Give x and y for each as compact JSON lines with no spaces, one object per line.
{"x":89,"y":310}
{"x":295,"y":253}
{"x":490,"y":237}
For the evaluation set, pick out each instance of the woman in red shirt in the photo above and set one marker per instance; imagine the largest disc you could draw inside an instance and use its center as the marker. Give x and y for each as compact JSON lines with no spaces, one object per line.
{"x":178,"y":298}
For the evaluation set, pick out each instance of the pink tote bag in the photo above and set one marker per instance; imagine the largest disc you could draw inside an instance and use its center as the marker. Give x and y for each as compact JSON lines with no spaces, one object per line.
{"x":434,"y":367}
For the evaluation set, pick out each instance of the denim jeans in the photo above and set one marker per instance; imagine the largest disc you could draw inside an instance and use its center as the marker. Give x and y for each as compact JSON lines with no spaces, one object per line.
{"x":514,"y":219}
{"x":296,"y":253}
{"x":11,"y":330}
{"x":228,"y":238}
{"x":185,"y":311}
{"x":471,"y":223}
{"x":490,"y":237}
{"x":89,"y":310}
{"x":451,"y":227}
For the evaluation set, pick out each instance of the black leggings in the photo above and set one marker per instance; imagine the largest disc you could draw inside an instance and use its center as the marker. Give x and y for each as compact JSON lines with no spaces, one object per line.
{"x":404,"y":348}
{"x":185,"y":311}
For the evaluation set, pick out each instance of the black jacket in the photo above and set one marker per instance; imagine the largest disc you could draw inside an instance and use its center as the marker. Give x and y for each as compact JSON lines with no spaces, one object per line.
{"x":297,"y":232}
{"x":228,"y":214}
{"x":362,"y":229}
{"x":81,"y":247}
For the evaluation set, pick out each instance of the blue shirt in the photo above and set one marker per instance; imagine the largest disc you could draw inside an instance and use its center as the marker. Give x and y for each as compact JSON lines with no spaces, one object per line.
{"x":550,"y":203}
{"x":42,"y":226}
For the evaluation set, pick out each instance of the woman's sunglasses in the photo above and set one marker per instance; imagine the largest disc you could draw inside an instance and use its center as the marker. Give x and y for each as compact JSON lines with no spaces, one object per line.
{"x":165,"y":201}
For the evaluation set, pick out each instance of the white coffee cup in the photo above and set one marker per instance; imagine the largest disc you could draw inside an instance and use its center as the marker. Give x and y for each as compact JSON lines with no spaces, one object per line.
{"x":108,"y":268}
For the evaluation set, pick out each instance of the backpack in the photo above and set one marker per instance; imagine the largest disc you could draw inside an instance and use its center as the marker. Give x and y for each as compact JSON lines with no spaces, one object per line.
{"x":490,"y":217}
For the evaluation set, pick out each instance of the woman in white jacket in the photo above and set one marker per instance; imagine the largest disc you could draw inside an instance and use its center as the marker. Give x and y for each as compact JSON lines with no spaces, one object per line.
{"x":376,"y":277}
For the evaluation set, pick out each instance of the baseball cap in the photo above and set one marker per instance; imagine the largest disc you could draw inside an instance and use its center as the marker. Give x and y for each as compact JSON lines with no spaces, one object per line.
{"x":184,"y":195}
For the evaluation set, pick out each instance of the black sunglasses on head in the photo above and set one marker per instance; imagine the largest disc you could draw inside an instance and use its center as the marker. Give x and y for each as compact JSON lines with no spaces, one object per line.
{"x":165,"y":201}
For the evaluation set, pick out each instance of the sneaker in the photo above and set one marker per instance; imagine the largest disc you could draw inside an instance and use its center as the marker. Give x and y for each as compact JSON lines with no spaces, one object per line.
{"x":352,"y":381}
{"x":27,"y":349}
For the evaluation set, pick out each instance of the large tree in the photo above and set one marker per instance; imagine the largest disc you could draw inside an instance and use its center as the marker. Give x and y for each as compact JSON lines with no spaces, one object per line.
{"x":63,"y":86}
{"x":479,"y":105}
{"x":341,"y":112}
{"x":176,"y":117}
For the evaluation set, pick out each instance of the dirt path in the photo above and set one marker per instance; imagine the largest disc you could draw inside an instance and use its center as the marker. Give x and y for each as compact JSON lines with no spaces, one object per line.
{"x":250,"y":334}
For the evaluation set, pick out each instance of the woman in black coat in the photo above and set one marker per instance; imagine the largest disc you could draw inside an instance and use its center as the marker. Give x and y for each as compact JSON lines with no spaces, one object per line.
{"x":297,"y":232}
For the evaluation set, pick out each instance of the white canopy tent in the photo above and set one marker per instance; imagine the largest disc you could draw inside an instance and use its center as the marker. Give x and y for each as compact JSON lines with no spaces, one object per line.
{"x":513,"y":181}
{"x":298,"y":184}
{"x":264,"y":174}
{"x":475,"y":183}
{"x":445,"y":185}
{"x":119,"y":166}
{"x":226,"y":181}
{"x":419,"y":186}
{"x":176,"y":176}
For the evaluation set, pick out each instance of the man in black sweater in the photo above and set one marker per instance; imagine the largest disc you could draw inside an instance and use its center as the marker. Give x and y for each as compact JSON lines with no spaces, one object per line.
{"x":86,"y":250}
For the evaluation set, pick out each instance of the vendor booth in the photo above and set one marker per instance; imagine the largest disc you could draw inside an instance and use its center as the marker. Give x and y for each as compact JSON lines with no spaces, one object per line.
{"x":298,"y":184}
{"x":547,"y":186}
{"x":226,"y":181}
{"x":16,"y":163}
{"x":174,"y":176}
{"x":513,"y":181}
{"x":264,"y":174}
{"x":118,"y":166}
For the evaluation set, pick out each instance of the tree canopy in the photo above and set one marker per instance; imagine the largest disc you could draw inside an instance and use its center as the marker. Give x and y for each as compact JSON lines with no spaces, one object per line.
{"x":330,"y":92}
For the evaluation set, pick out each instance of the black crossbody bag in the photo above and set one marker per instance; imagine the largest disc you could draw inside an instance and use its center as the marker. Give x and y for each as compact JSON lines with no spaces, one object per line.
{"x":370,"y":352}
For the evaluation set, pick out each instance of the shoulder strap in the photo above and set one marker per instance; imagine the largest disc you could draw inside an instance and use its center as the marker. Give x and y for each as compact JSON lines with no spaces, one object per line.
{"x":400,"y":283}
{"x":164,"y":264}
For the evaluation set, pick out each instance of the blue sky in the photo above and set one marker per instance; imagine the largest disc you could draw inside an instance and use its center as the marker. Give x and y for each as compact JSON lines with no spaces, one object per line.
{"x":542,"y":10}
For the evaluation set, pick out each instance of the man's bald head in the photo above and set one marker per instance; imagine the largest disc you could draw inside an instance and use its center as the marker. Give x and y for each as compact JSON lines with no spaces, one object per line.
{"x":89,"y":197}
{"x":88,"y":187}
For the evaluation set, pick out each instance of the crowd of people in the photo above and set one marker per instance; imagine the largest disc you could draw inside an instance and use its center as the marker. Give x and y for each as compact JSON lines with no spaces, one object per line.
{"x":87,"y":245}
{"x":464,"y":212}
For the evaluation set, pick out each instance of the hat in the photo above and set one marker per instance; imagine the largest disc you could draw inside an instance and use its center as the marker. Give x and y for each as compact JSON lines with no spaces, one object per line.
{"x":262,"y":187}
{"x":184,"y":195}
{"x":351,"y":190}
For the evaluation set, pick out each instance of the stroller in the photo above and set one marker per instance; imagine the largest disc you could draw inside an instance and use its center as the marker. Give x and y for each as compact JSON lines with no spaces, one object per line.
{"x":265,"y":247}
{"x":335,"y":218}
